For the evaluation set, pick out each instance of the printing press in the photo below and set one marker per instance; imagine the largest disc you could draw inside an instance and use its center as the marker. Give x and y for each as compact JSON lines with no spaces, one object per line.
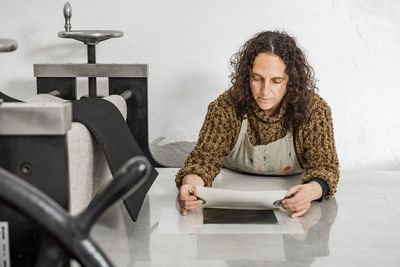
{"x":59,"y":152}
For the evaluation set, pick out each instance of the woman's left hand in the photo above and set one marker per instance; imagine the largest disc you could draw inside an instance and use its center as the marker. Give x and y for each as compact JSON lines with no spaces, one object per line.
{"x":300,"y":203}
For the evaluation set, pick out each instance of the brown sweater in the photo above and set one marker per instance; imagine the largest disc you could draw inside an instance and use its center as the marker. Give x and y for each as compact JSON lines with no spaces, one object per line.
{"x":314,"y":141}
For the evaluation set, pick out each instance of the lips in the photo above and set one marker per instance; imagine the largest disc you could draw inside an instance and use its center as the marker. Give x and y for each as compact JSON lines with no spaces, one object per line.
{"x":265,"y":99}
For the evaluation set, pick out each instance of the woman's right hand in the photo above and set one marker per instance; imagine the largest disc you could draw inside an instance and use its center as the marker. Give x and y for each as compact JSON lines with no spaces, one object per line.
{"x":187,"y":201}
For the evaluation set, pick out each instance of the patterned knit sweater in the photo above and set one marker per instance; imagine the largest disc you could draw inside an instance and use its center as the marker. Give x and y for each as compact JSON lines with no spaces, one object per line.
{"x":314,"y":141}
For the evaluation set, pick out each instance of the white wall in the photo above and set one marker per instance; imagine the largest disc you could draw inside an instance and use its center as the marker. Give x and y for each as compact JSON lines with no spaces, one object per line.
{"x":354,"y":47}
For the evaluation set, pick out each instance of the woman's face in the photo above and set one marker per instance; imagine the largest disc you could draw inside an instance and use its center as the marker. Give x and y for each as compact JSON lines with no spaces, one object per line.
{"x":268,"y":81}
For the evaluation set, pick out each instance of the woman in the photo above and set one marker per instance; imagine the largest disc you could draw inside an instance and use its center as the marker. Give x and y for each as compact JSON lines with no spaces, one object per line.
{"x":270,"y":122}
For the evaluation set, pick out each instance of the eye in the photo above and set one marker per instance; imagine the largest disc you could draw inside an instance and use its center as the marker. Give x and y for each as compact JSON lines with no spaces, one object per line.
{"x":277,"y":81}
{"x":256,"y":78}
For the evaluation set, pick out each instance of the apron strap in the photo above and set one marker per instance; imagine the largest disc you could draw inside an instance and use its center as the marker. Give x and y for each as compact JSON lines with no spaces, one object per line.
{"x":243,"y":127}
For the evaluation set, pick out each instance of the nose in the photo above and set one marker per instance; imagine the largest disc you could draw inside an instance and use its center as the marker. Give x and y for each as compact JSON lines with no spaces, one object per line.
{"x":266,"y":87}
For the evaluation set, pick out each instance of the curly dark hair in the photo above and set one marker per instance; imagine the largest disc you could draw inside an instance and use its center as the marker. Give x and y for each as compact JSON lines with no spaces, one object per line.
{"x":301,"y":74}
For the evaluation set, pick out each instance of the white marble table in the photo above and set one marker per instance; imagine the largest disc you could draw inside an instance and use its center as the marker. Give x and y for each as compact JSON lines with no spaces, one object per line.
{"x":359,"y":227}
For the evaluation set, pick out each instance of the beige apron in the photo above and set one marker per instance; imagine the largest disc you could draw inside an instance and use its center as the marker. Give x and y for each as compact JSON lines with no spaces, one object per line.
{"x":276,"y":158}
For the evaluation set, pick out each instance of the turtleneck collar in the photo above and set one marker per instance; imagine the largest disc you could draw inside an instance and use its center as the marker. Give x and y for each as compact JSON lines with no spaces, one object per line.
{"x":277,"y":116}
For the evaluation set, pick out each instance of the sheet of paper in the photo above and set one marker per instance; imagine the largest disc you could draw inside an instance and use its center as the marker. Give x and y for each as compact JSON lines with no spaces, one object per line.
{"x":235,"y":199}
{"x":238,"y":216}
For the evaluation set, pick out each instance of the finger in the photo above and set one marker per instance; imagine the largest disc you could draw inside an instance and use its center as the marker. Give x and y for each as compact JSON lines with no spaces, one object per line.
{"x":300,"y":207}
{"x":186,"y":203}
{"x":184,"y":212}
{"x":184,"y":194}
{"x":299,"y":213}
{"x":295,"y":206}
{"x":293,"y":190}
{"x":189,"y":205}
{"x":195,"y":203}
{"x":194,"y":190}
{"x":189,"y":198}
{"x":189,"y":209}
{"x":298,"y":197}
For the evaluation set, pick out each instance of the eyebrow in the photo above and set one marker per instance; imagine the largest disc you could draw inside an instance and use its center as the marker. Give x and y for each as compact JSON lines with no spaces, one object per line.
{"x":275,"y":78}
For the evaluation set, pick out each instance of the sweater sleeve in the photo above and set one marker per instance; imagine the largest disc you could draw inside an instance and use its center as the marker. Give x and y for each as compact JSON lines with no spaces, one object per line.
{"x":320,"y":159}
{"x":213,"y":145}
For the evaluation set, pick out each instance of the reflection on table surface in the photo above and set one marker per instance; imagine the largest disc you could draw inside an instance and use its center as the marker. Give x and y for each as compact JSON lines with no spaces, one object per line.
{"x":359,"y":227}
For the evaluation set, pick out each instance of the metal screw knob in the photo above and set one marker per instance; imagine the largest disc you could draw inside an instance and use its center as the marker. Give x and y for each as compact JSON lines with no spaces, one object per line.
{"x":67,"y":16}
{"x":26,"y":168}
